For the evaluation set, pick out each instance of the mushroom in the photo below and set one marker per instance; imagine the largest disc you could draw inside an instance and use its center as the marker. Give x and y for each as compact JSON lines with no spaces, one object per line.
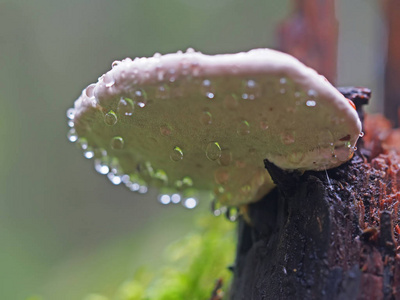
{"x":189,"y":122}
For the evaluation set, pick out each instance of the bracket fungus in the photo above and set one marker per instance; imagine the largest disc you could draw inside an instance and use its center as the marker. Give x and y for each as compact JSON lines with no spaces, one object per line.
{"x":188,"y":122}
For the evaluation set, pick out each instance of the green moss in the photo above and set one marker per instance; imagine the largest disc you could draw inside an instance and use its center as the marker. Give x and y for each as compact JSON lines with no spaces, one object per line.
{"x":192,"y":265}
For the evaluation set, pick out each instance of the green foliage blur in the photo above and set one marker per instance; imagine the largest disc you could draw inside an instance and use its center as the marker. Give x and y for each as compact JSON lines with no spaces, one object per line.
{"x":190,"y":269}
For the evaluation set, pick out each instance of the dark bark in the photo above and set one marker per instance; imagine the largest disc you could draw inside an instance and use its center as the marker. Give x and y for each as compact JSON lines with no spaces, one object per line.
{"x":324,"y":235}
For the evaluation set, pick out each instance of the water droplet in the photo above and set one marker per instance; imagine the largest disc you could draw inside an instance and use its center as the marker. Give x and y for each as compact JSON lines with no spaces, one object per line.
{"x":71,"y":113}
{"x":190,"y":203}
{"x":243,"y":128}
{"x":90,"y":90}
{"x":126,"y":106}
{"x":101,"y":167}
{"x":287,"y":138}
{"x":164,"y":199}
{"x":311,"y":103}
{"x":245,"y":190}
{"x":343,"y":153}
{"x":143,"y":189}
{"x":190,"y":50}
{"x":206,"y":118}
{"x":72,"y":135}
{"x":361,"y":134}
{"x":221,"y":176}
{"x":70,"y":123}
{"x":82,"y":144}
{"x":115,"y":179}
{"x":108,"y":80}
{"x":226,"y":157}
{"x":100,"y":152}
{"x":231,"y":102}
{"x":88,"y":153}
{"x":264,"y":124}
{"x":312,"y":93}
{"x":165,"y":130}
{"x":140,"y":97}
{"x":210,"y":95}
{"x":110,"y":118}
{"x":295,"y":158}
{"x":216,"y":208}
{"x":117,"y":143}
{"x":208,"y":89}
{"x":251,"y":90}
{"x":213,"y":151}
{"x":282,"y":85}
{"x":176,"y":154}
{"x":232,"y":213}
{"x":187,"y":181}
{"x":134,"y":187}
{"x":115,"y":63}
{"x":175,"y":198}
{"x":163,"y":92}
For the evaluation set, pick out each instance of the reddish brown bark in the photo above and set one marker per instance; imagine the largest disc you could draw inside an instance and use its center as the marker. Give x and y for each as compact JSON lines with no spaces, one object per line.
{"x":311,"y":34}
{"x":391,"y":10}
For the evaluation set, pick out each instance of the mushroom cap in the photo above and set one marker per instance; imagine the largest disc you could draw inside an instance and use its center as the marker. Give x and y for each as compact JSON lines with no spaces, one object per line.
{"x":188,"y":122}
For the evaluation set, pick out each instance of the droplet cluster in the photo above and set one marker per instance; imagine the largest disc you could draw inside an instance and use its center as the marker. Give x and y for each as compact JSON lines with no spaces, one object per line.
{"x":225,"y":162}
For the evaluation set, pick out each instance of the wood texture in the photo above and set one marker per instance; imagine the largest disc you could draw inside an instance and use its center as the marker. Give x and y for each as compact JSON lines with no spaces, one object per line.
{"x":326,"y":235}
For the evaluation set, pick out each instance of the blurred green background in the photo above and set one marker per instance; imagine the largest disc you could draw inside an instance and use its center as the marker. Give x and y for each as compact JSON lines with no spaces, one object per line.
{"x":65,"y":231}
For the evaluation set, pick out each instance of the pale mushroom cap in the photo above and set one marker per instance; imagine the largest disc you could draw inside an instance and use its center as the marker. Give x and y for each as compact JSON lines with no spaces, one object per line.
{"x":188,"y":121}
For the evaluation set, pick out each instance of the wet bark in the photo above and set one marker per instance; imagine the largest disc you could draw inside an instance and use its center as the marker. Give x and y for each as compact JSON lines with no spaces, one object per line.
{"x":324,"y":235}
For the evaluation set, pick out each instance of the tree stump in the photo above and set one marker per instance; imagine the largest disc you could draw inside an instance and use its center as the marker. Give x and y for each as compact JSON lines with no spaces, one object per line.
{"x":324,"y":235}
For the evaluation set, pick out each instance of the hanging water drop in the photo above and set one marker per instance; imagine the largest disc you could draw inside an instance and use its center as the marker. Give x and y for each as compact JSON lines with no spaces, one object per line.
{"x":206,"y":118}
{"x":72,"y":135}
{"x":125,"y":106}
{"x":117,"y":143}
{"x":108,"y":80}
{"x":110,"y":118}
{"x":213,"y":151}
{"x":164,"y":199}
{"x":243,"y":128}
{"x":190,"y":203}
{"x":115,"y":179}
{"x":232,"y":214}
{"x":162,"y":92}
{"x":311,"y":103}
{"x":89,"y":154}
{"x":71,"y":113}
{"x":176,"y":154}
{"x":101,"y":167}
{"x":140,"y":97}
{"x":90,"y":91}
{"x":175,"y":198}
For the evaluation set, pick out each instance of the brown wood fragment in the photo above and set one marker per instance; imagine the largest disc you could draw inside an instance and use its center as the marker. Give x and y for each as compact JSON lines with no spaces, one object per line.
{"x":391,"y":10}
{"x":311,"y":35}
